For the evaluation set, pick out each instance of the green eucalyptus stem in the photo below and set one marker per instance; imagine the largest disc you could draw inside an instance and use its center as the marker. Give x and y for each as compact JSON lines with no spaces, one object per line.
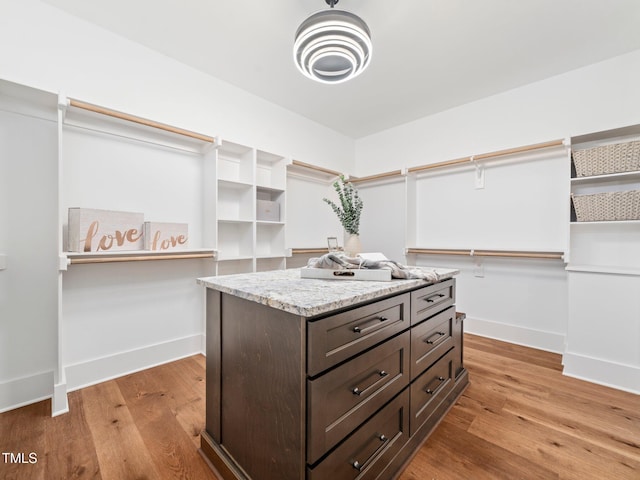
{"x":350,"y":207}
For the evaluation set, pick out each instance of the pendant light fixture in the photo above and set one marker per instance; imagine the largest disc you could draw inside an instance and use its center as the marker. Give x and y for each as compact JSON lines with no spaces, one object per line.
{"x":332,"y":46}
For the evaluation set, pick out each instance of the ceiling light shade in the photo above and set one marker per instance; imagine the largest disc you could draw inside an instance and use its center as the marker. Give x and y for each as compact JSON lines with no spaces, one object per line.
{"x":332,"y":46}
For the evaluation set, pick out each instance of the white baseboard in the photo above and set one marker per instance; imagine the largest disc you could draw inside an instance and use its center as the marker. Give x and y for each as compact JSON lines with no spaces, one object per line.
{"x":102,"y":369}
{"x":26,"y":390}
{"x":594,"y":370}
{"x":603,"y":372}
{"x":59,"y":400}
{"x":548,"y":341}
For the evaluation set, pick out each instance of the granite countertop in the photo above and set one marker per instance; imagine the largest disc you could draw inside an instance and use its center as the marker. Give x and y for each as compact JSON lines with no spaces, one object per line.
{"x":285,"y":290}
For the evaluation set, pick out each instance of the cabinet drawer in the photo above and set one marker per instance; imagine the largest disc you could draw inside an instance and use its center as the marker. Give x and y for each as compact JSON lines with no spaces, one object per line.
{"x":334,"y":339}
{"x":431,"y":339}
{"x":428,"y":390}
{"x":430,"y":300}
{"x":368,"y":451}
{"x":340,"y":400}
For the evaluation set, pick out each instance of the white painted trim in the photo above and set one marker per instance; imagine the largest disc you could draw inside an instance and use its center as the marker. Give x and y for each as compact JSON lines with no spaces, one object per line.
{"x":59,"y":400}
{"x":102,"y":369}
{"x":35,"y":388}
{"x":26,"y":390}
{"x":548,"y":341}
{"x":603,"y":372}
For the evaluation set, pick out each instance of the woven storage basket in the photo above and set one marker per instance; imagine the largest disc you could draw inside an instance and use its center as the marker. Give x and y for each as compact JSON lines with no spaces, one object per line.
{"x":607,"y":206}
{"x":616,"y":158}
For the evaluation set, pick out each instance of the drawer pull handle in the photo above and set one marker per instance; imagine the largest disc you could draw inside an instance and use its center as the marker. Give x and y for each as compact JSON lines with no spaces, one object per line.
{"x":436,"y":335}
{"x":369,"y":325}
{"x":357,"y":391}
{"x":361,"y":466}
{"x":431,"y":298}
{"x":440,"y":384}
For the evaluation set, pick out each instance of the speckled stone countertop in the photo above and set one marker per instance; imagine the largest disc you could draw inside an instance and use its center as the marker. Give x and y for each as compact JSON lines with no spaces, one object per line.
{"x":285,"y":290}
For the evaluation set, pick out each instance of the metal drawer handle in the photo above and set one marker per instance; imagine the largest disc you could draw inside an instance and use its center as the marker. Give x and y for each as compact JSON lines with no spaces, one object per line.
{"x":361,"y":466}
{"x":369,"y":325}
{"x":436,"y":335}
{"x":358,"y":391}
{"x":437,"y":295}
{"x":440,"y":384}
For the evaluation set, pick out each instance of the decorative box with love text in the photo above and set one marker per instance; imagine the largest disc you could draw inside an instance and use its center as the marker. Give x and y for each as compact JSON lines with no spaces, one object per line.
{"x":94,"y":230}
{"x":162,"y":236}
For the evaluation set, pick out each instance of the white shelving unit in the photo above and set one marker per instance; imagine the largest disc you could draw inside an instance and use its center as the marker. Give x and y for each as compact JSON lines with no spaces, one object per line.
{"x":116,"y":161}
{"x":243,"y":176}
{"x":88,"y":127}
{"x":603,"y":277}
{"x":603,"y":245}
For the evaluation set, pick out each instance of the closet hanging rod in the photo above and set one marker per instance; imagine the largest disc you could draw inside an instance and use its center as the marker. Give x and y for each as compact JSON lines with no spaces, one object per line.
{"x":139,"y":258}
{"x":484,"y":156}
{"x":488,"y":253}
{"x":139,"y":120}
{"x":377,"y":176}
{"x":303,"y":251}
{"x":298,"y":163}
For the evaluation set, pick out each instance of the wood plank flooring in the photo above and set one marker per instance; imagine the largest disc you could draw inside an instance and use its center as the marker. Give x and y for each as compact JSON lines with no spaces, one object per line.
{"x":519,"y":419}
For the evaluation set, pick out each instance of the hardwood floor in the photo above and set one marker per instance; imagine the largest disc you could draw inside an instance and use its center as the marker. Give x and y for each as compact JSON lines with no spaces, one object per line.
{"x":519,"y":419}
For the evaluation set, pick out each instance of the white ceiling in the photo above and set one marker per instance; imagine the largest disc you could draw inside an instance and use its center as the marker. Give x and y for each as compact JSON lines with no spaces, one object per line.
{"x":428,"y":55}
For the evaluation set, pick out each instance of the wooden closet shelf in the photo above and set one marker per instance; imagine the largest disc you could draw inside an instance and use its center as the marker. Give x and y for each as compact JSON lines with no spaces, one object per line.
{"x":302,"y":251}
{"x":315,"y":168}
{"x":485,"y":156}
{"x":487,"y":253}
{"x":139,"y":120}
{"x":377,"y":176}
{"x":137,"y":256}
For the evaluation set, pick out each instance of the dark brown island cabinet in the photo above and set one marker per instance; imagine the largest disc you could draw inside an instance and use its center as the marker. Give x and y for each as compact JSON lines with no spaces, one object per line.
{"x":326,"y":379}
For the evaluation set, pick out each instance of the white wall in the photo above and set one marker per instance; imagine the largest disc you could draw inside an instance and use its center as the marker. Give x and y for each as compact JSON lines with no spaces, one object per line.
{"x":598,"y":97}
{"x":382,"y":223}
{"x":521,"y":301}
{"x":48,"y":49}
{"x":313,"y":219}
{"x":119,"y":318}
{"x":54,"y":51}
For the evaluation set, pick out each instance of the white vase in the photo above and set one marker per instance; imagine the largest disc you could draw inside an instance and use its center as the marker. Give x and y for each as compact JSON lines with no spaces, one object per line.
{"x":352,"y":246}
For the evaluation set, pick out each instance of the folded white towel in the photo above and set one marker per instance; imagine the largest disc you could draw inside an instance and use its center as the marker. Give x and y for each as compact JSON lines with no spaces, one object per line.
{"x":340,"y":261}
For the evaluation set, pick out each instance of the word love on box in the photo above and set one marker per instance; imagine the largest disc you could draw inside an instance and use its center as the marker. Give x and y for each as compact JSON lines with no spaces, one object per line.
{"x":165,"y":236}
{"x":92,"y":230}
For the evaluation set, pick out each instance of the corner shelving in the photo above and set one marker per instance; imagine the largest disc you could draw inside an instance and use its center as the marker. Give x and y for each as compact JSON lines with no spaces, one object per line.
{"x":235,"y":163}
{"x":235,"y":201}
{"x":250,"y":209}
{"x":270,"y":171}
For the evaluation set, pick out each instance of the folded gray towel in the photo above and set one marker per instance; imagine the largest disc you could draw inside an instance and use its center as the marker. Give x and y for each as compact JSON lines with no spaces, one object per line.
{"x":339,"y":261}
